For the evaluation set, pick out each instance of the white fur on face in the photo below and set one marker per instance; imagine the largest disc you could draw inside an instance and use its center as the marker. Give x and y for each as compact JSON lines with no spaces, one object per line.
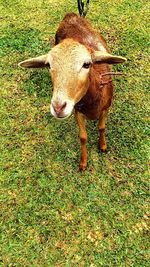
{"x":69,"y":55}
{"x":66,"y":66}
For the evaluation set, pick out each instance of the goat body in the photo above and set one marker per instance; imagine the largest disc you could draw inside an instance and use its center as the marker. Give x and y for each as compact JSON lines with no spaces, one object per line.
{"x":80,"y":70}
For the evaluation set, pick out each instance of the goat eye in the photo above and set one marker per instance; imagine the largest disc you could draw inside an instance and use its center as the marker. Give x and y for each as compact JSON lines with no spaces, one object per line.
{"x":86,"y":65}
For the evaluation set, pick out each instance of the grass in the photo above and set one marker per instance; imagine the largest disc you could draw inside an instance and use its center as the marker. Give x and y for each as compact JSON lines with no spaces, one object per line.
{"x":51,"y":214}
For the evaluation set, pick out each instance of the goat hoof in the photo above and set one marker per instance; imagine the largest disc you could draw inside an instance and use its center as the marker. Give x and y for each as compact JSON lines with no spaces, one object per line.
{"x":103,"y":149}
{"x":82,"y":166}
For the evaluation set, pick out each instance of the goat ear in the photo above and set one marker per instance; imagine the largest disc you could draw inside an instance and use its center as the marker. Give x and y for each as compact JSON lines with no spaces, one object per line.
{"x":37,"y":62}
{"x":101,"y":57}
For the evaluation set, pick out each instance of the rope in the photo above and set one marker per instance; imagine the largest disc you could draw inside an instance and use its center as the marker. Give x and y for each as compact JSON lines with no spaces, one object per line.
{"x":112,"y":73}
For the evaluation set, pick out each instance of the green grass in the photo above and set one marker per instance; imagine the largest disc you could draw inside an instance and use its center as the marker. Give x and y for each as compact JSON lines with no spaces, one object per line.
{"x":51,"y":214}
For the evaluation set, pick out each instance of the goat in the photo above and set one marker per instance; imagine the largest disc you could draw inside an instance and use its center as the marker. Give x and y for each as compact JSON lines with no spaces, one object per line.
{"x":79,"y":65}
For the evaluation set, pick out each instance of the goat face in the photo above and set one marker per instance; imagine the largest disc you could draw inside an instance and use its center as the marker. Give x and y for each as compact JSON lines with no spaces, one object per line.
{"x":69,"y":65}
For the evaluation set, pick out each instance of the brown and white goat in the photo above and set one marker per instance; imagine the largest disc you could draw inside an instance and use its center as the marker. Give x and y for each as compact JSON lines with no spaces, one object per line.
{"x":81,"y":76}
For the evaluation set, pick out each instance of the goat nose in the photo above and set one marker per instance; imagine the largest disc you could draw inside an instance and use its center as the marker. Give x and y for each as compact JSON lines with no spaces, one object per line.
{"x":59,"y":107}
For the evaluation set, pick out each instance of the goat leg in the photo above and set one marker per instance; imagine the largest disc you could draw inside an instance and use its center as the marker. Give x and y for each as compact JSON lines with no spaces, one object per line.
{"x":102,"y":126}
{"x":81,"y":121}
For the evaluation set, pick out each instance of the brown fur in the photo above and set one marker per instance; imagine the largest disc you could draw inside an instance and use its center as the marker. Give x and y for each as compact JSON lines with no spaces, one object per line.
{"x":78,"y":28}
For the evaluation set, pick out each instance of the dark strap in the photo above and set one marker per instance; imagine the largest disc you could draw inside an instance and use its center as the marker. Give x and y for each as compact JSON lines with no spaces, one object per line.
{"x":83,"y":12}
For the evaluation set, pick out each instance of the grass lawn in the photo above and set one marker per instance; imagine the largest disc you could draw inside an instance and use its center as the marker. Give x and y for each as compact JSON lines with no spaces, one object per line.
{"x":51,"y":214}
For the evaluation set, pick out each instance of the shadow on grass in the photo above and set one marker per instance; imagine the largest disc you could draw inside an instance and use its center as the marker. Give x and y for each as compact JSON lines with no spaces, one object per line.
{"x":38,"y":82}
{"x":22,"y":40}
